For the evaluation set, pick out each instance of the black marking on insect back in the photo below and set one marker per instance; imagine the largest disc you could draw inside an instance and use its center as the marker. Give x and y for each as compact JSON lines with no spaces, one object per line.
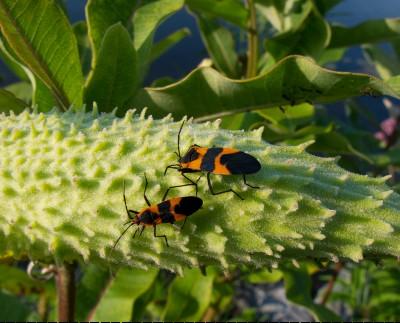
{"x":148,"y":217}
{"x":191,"y":155}
{"x":208,"y":162}
{"x":164,"y":207}
{"x":240,"y":163}
{"x":188,"y":205}
{"x":167,"y":217}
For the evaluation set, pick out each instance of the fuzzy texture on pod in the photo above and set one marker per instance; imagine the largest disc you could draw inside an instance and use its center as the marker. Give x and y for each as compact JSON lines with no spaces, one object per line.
{"x":61,"y":178}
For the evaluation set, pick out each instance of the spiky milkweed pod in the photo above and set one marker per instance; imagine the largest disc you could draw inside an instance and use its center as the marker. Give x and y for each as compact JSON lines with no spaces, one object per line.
{"x":61,"y":178}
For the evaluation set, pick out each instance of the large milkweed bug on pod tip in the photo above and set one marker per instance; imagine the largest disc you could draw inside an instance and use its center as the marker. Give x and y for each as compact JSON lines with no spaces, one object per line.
{"x":216,"y":160}
{"x":167,"y":211}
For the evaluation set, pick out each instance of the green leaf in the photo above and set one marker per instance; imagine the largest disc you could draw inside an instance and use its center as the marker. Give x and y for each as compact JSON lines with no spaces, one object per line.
{"x":8,"y":101}
{"x":386,"y":66}
{"x":113,"y":80}
{"x":101,"y":15}
{"x":17,"y":281}
{"x":394,"y":83}
{"x":145,"y":22}
{"x":293,"y":80}
{"x":11,"y":62}
{"x":189,"y":296}
{"x":90,"y":291}
{"x":14,"y":309}
{"x":220,"y":45}
{"x":371,"y":31}
{"x":22,"y":90}
{"x":335,"y":143}
{"x":165,"y":44}
{"x":298,"y":291}
{"x":309,"y":41}
{"x":41,"y":95}
{"x":41,"y":37}
{"x":229,"y":10}
{"x":286,"y":16}
{"x":119,"y":299}
{"x":290,"y":117}
{"x":331,"y":55}
{"x":264,"y":276}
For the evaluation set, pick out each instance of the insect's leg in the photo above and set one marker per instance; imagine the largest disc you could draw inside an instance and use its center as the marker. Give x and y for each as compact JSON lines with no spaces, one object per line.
{"x":175,"y":186}
{"x":128,"y":212}
{"x":192,"y":182}
{"x":145,"y":188}
{"x":217,"y":193}
{"x":141,"y":231}
{"x":244,"y":180}
{"x":174,"y":166}
{"x":161,"y":236}
{"x":135,"y":232}
{"x":184,"y":223}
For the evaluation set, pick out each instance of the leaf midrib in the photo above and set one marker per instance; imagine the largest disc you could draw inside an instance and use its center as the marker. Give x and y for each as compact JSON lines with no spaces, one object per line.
{"x":57,"y":91}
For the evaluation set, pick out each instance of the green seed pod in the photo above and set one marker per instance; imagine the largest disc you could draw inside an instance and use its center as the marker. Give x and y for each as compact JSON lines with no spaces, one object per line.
{"x":61,"y":178}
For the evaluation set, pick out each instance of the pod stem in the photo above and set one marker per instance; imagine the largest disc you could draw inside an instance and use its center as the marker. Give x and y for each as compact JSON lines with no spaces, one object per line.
{"x":65,"y":282}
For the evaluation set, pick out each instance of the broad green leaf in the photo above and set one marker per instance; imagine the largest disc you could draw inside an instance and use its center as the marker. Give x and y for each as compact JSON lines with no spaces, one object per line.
{"x":311,"y":40}
{"x":118,"y":301}
{"x":85,"y":54}
{"x":8,"y":101}
{"x":13,"y":308}
{"x":298,"y":291}
{"x":90,"y":290}
{"x":264,"y":276}
{"x":145,"y":22}
{"x":22,"y":90}
{"x":165,"y":44}
{"x":188,"y":296}
{"x":386,"y":65}
{"x":390,"y":157}
{"x":331,"y":55}
{"x":335,"y":143}
{"x":101,"y":15}
{"x":140,"y":306}
{"x":17,"y":281}
{"x":229,"y":10}
{"x":371,"y":31}
{"x":41,"y":96}
{"x":41,"y":37}
{"x":206,"y":94}
{"x":220,"y":45}
{"x":11,"y":62}
{"x":113,"y":80}
{"x":290,"y":117}
{"x":394,"y":83}
{"x":285,"y":16}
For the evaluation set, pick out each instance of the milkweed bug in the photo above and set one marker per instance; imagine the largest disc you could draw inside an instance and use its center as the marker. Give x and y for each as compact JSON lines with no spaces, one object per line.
{"x":168,"y":211}
{"x":216,"y":160}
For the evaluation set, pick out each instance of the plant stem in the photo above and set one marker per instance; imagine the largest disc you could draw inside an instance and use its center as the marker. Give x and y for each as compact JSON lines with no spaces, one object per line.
{"x":331,"y":283}
{"x":252,"y":47}
{"x":65,"y":281}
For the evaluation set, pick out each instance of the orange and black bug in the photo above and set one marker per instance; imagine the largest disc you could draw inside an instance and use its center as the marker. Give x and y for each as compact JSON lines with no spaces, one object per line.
{"x":168,"y":211}
{"x":216,"y":160}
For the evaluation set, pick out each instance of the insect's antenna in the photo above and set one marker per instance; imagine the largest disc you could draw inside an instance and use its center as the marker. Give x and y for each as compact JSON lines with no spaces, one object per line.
{"x":179,"y":138}
{"x":115,"y":244}
{"x":126,"y":207}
